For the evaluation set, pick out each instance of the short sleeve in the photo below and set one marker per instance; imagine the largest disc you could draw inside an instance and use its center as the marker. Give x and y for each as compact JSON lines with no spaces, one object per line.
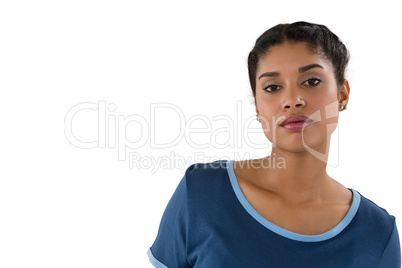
{"x":391,"y":257}
{"x":169,"y":248}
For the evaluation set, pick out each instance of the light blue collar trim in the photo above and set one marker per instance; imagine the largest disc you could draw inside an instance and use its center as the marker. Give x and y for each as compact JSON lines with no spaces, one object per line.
{"x":283,"y":232}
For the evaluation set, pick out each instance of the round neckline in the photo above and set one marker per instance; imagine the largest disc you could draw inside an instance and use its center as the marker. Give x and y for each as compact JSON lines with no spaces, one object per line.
{"x":283,"y":232}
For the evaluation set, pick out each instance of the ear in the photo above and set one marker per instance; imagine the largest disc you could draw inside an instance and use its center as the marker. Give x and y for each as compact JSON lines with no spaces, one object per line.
{"x":343,"y":96}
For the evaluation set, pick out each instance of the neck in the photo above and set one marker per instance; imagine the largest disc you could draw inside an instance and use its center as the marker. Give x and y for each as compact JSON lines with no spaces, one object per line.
{"x":303,"y":176}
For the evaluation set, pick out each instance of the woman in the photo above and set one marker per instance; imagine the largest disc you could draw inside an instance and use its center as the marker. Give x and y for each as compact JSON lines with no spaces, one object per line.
{"x":252,"y":214}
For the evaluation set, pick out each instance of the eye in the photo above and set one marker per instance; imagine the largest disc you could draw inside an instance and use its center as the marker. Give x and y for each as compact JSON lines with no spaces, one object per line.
{"x":271,"y":88}
{"x":312,"y":82}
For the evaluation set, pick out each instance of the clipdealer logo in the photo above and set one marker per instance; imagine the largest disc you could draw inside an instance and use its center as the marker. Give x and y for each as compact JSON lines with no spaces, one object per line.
{"x":112,"y":132}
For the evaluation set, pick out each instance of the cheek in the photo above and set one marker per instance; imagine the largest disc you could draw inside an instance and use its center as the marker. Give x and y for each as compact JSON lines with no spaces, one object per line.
{"x":324,"y":98}
{"x":325,"y":107}
{"x":268,"y":113}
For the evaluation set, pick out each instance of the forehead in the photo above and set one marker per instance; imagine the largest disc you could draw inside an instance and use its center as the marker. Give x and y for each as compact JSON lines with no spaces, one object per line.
{"x":290,"y":56}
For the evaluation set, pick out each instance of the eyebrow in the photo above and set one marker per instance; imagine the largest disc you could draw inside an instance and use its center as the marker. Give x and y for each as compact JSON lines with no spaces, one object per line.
{"x":308,"y":67}
{"x":301,"y":70}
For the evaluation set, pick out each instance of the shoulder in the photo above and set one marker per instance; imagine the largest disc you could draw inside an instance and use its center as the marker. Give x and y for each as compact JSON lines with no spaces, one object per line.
{"x":375,"y":213}
{"x":380,"y":231}
{"x":374,"y":219}
{"x":205,"y":173}
{"x":198,"y":169}
{"x":207,"y":181}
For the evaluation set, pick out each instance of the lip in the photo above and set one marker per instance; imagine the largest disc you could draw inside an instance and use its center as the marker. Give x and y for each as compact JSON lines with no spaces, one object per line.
{"x":296,"y":123}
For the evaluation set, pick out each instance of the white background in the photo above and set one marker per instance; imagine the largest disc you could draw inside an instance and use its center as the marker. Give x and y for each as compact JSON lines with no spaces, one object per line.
{"x":64,"y":206}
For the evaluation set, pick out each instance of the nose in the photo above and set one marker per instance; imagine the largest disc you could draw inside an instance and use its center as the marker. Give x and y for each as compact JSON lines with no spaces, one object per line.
{"x":293,"y":101}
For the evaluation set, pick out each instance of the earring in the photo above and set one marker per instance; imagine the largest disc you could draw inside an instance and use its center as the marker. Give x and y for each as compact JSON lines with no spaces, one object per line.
{"x":258,"y":119}
{"x":343,"y":106}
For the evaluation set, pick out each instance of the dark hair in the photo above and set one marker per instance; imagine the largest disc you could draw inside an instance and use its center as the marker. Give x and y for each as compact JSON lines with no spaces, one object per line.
{"x":318,"y":38}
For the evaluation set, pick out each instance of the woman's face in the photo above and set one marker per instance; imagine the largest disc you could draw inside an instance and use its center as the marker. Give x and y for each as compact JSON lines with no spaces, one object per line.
{"x":291,"y":81}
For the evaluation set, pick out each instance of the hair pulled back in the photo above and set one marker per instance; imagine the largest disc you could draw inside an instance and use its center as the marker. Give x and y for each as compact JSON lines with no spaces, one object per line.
{"x":317,"y":37}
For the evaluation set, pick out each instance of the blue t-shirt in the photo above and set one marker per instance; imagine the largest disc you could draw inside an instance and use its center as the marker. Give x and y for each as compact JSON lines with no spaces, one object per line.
{"x":209,"y":223}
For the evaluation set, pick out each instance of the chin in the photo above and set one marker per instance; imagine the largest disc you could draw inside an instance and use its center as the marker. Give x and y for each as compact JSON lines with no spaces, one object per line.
{"x":297,"y":144}
{"x":291,"y":148}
